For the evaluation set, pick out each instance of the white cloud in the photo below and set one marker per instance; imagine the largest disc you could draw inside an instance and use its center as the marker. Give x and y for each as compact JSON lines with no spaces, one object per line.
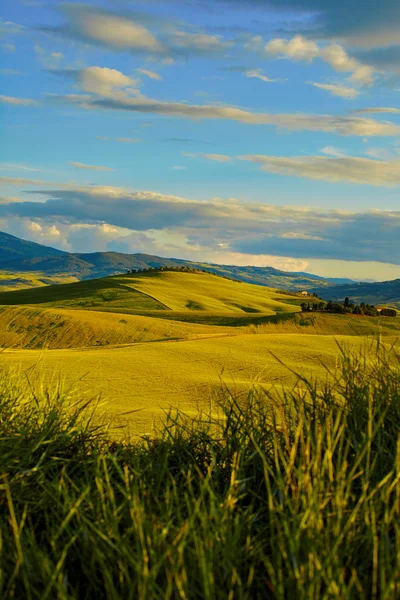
{"x":16,"y":167}
{"x":127,"y":140}
{"x":338,"y":90}
{"x":107,"y":83}
{"x":301,"y":49}
{"x":377,"y":110}
{"x":150,"y":74}
{"x":220,"y":225}
{"x":257,"y":74}
{"x":340,"y":169}
{"x":221,"y":158}
{"x":201,"y":42}
{"x":332,"y":151}
{"x":103,"y":81}
{"x":18,"y":101}
{"x":381,"y":153}
{"x":117,"y":32}
{"x":298,"y":48}
{"x":79,"y":165}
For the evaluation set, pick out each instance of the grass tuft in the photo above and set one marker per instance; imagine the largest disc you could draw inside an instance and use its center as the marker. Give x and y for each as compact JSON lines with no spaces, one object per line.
{"x":295,"y":497}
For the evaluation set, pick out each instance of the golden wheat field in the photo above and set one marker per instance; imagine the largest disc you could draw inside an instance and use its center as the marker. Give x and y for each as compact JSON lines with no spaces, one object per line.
{"x":154,"y":377}
{"x":152,"y":342}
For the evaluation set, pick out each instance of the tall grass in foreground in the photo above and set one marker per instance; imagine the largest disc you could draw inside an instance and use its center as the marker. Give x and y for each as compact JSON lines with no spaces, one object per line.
{"x":295,"y":498}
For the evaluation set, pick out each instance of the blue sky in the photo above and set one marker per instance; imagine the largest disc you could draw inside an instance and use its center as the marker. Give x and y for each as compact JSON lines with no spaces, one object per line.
{"x":257,"y":132}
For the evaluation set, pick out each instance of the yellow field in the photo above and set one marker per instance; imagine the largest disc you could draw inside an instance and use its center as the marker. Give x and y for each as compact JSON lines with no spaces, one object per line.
{"x":35,"y":327}
{"x":185,"y":374}
{"x":56,"y":328}
{"x":10,"y":281}
{"x":155,"y":341}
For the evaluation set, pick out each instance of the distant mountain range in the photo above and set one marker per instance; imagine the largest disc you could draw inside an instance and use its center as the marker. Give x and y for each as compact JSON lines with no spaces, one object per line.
{"x":21,"y":256}
{"x":17,"y":255}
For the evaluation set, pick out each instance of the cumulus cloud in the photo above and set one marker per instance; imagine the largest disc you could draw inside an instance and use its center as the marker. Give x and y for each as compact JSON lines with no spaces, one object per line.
{"x":79,"y":165}
{"x":18,"y":101}
{"x":298,"y":48}
{"x":104,"y":81}
{"x":230,"y":225}
{"x":340,"y":169}
{"x":301,"y":49}
{"x":338,"y":90}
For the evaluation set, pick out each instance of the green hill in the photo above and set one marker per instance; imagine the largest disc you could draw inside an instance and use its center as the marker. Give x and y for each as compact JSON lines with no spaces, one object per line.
{"x":178,"y":292}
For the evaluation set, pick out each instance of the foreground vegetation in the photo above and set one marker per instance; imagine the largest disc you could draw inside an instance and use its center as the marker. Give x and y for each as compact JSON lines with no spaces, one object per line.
{"x":290,"y":497}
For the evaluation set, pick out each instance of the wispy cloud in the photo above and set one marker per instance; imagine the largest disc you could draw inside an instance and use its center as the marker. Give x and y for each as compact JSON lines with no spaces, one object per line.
{"x":338,"y":90}
{"x":79,"y":165}
{"x":18,"y":101}
{"x":221,"y":158}
{"x":113,"y":90}
{"x":357,"y":170}
{"x":149,"y":74}
{"x":377,"y":110}
{"x":127,"y":140}
{"x":257,"y":74}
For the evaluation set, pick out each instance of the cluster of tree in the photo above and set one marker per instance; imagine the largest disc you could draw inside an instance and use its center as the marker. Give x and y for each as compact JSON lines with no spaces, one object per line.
{"x":338,"y":308}
{"x":168,"y":268}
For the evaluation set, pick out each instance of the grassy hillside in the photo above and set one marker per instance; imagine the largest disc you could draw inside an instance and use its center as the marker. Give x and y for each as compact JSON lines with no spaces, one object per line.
{"x":57,"y":328}
{"x":38,"y":327}
{"x":164,"y":291}
{"x":13,"y":281}
{"x":188,"y":375}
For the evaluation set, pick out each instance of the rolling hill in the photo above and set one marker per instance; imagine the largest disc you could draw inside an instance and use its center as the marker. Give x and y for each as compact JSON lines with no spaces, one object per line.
{"x":156,"y":340}
{"x":160,"y":291}
{"x":27,"y":258}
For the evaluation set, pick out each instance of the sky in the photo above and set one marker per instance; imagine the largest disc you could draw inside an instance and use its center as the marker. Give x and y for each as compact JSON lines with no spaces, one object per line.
{"x":249,"y":132}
